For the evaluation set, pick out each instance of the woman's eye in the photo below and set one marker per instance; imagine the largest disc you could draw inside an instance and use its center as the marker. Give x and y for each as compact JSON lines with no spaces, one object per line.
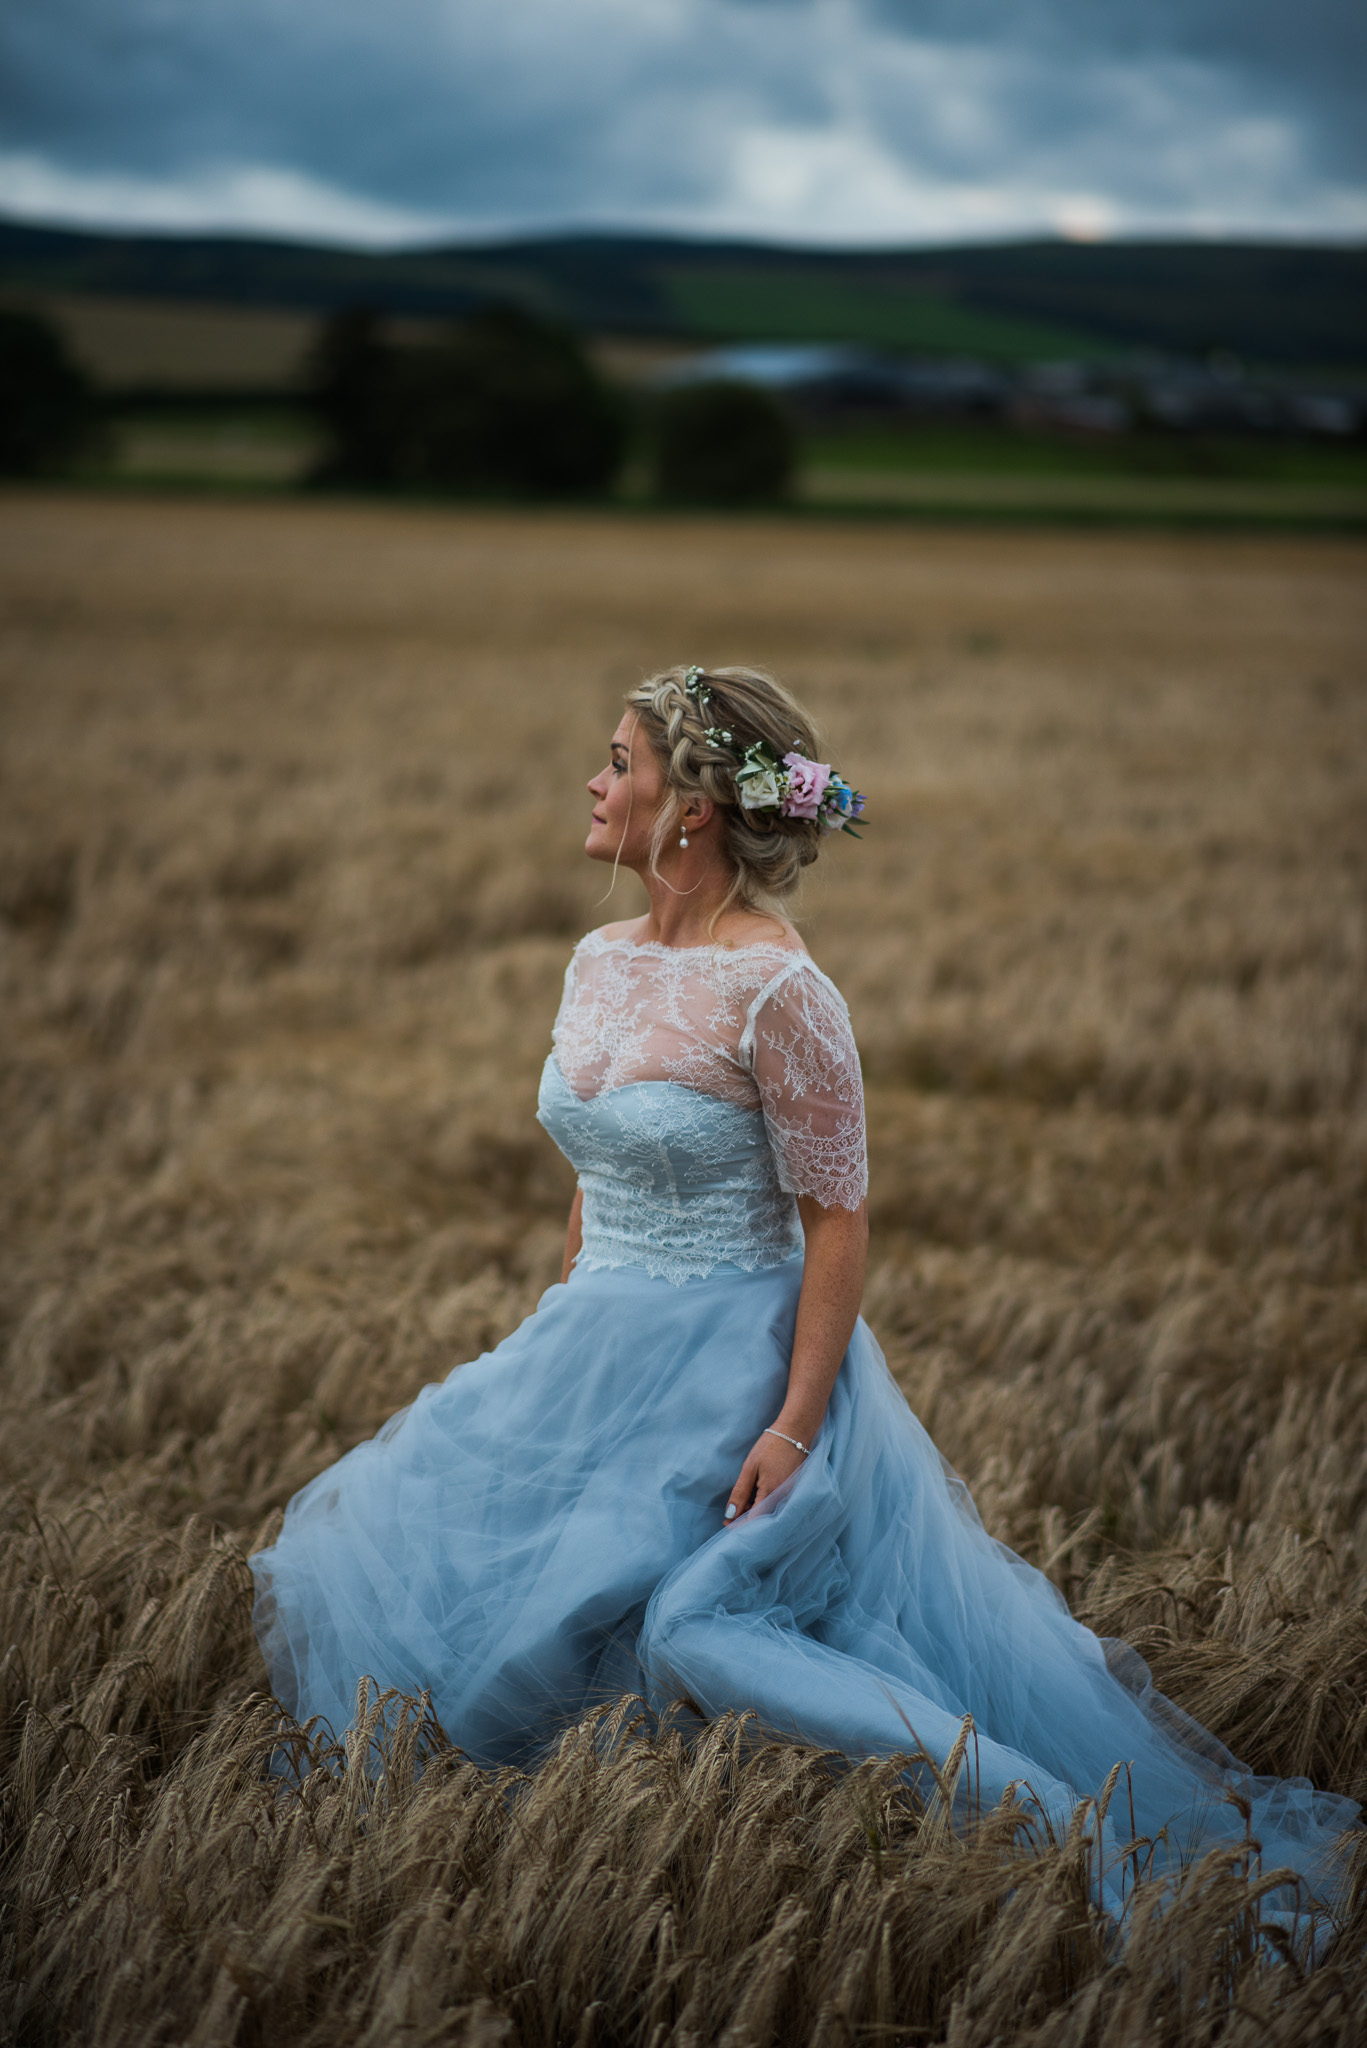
{"x":618,"y":767}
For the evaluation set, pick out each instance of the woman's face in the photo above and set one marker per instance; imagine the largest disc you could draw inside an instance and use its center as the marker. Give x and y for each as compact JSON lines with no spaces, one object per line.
{"x":627,"y":795}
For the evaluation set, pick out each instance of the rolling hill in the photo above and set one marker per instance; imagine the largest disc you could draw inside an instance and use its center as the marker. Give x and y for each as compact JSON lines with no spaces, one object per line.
{"x":1013,"y":302}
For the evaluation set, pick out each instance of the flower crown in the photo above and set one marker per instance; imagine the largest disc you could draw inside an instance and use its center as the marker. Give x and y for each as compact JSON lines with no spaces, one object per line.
{"x":793,"y":786}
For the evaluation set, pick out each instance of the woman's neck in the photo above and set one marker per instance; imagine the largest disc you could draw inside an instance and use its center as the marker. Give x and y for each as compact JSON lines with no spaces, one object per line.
{"x":684,"y":922}
{"x":684,"y":915}
{"x":687,"y":889}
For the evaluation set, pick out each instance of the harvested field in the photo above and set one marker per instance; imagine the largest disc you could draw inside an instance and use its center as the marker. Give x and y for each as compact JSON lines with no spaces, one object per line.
{"x":178,"y":344}
{"x":290,"y":813}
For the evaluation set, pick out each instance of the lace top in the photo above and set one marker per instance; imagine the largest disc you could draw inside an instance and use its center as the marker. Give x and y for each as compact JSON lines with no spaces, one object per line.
{"x":698,"y":1091}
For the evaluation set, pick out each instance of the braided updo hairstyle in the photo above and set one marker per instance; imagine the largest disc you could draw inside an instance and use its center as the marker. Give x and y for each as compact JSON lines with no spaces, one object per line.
{"x":767,"y":851}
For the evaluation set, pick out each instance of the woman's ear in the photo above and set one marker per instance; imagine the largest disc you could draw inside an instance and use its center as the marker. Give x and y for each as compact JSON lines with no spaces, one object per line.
{"x":697,"y":812}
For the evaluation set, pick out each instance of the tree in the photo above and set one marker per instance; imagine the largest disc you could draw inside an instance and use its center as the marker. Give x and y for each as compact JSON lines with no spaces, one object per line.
{"x":508,"y":403}
{"x":47,"y":408}
{"x":722,"y":444}
{"x":353,"y":387}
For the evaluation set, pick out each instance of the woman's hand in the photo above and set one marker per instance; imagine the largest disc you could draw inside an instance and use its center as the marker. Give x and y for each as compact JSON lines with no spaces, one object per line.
{"x":768,"y":1465}
{"x":832,"y":1280}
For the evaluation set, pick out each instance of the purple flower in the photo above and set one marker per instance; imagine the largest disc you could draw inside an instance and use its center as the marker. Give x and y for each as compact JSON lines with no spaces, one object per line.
{"x":806,"y":786}
{"x":837,"y":804}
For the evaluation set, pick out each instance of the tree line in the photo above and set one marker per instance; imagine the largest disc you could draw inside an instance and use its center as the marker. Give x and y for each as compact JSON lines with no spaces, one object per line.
{"x":504,"y":404}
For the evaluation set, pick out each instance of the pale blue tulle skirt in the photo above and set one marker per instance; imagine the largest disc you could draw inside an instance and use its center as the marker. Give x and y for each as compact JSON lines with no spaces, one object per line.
{"x":543,"y":1531}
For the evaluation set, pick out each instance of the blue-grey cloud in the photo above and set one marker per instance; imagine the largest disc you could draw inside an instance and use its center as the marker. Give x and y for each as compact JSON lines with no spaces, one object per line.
{"x":1308,"y":61}
{"x":845,"y":119}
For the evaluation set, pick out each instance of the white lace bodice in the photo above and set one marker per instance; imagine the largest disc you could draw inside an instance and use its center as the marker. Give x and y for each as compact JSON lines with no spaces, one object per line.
{"x":698,"y":1091}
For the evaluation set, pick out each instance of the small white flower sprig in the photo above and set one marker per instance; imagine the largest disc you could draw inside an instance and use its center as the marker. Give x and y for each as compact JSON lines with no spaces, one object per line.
{"x":715,"y":735}
{"x":793,"y":786}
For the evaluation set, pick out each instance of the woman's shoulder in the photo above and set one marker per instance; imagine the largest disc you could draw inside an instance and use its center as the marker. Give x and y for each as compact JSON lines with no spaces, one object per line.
{"x":786,"y":972}
{"x":769,"y":960}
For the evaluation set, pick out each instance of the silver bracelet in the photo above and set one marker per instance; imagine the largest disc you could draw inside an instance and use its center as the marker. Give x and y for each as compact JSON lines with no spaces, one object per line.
{"x":805,"y":1449}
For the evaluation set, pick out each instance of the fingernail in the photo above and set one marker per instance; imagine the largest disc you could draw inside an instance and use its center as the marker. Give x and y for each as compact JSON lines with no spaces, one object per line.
{"x":730,"y":1514}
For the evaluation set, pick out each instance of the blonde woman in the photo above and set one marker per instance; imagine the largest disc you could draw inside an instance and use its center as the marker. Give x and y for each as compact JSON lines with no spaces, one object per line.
{"x":688,"y":1474}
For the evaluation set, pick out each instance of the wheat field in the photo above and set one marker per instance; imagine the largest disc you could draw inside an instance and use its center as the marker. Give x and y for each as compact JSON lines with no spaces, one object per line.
{"x":291,"y":806}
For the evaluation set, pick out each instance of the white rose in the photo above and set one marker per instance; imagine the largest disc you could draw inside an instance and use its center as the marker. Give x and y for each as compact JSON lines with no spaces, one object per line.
{"x":762,"y":792}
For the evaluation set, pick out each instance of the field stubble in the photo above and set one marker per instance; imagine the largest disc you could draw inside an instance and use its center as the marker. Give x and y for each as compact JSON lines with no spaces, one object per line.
{"x":290,"y":812}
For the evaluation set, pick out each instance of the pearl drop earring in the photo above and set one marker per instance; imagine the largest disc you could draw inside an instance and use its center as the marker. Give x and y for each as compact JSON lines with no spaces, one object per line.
{"x":683,"y":839}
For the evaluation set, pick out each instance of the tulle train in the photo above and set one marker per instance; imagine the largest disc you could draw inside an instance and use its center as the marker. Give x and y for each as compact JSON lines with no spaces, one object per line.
{"x":543,"y":1530}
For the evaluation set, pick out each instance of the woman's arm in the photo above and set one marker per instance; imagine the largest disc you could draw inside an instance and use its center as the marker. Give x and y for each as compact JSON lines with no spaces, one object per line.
{"x":832,"y":1287}
{"x":574,"y":1234}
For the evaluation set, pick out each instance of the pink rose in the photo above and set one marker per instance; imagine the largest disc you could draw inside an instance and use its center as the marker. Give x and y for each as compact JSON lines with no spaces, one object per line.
{"x":806,"y":786}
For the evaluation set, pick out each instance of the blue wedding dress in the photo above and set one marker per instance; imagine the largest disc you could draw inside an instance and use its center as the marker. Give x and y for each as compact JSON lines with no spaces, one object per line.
{"x":543,"y":1529}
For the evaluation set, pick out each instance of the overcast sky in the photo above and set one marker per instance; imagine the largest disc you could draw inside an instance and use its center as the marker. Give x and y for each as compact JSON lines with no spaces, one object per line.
{"x":846,"y":121}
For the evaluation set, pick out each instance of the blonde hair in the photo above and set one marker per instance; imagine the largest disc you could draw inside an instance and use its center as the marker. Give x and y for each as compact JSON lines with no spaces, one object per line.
{"x":767,"y":851}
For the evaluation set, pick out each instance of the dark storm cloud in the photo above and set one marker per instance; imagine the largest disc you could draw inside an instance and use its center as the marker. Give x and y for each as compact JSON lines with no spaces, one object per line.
{"x":843,"y":118}
{"x":1310,"y":57}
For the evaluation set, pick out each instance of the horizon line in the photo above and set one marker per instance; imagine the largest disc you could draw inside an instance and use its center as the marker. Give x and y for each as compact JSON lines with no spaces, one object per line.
{"x":704,"y":238}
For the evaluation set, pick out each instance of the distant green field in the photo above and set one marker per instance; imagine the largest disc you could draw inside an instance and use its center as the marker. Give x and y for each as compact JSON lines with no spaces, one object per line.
{"x":805,"y":305}
{"x":1174,"y":501}
{"x":992,"y":450}
{"x":954,"y":472}
{"x":215,"y":451}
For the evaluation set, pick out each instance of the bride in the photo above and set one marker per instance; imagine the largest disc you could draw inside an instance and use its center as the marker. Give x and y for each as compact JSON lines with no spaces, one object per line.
{"x":688,"y":1474}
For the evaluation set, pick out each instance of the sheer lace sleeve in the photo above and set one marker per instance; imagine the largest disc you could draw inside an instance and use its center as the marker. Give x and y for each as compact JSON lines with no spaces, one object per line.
{"x":801,"y":1050}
